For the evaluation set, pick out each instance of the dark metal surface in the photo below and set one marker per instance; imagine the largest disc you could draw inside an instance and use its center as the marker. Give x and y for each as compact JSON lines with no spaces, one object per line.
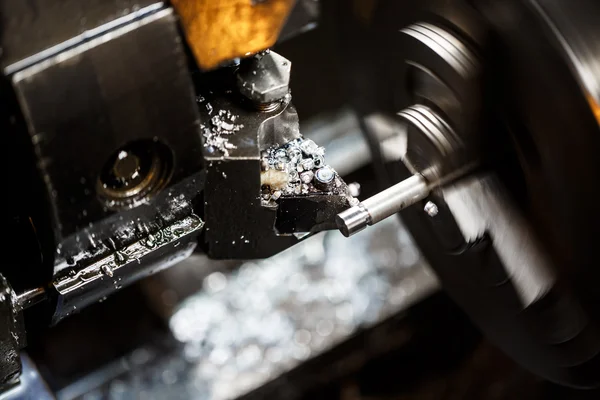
{"x":30,"y":27}
{"x":303,"y":17}
{"x":444,"y":74}
{"x":576,"y":32}
{"x":232,"y":189}
{"x":124,"y":231}
{"x":556,"y":167}
{"x":236,"y":139}
{"x":31,"y":297}
{"x":144,"y":94}
{"x":553,"y":331}
{"x":12,"y":335}
{"x":158,"y":250}
{"x":434,"y":149}
{"x":119,"y":154}
{"x":107,"y":104}
{"x":308,"y":214}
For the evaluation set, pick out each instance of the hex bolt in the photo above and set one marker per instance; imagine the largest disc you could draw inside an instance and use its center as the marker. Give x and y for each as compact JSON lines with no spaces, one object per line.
{"x":264,"y":80}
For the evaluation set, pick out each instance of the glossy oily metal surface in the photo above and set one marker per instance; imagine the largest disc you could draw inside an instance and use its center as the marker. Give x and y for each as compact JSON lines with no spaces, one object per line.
{"x":445,"y":45}
{"x":12,"y":335}
{"x":441,"y":67}
{"x":104,"y":107}
{"x":152,"y":253}
{"x":119,"y":154}
{"x":22,"y":45}
{"x":433,"y":147}
{"x":383,"y":205}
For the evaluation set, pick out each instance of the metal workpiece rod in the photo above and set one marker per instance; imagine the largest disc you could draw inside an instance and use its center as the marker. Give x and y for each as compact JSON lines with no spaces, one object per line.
{"x":31,"y":297}
{"x":384,"y":204}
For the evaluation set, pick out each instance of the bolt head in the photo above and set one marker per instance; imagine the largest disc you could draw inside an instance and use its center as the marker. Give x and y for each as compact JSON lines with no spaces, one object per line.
{"x":265,"y":79}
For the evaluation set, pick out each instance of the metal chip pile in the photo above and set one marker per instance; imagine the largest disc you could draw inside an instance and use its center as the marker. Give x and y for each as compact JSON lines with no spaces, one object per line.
{"x":252,"y":325}
{"x":296,"y":168}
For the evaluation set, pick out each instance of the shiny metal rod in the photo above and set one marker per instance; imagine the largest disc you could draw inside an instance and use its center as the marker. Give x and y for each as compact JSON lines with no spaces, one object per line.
{"x":31,"y":297}
{"x":384,"y":204}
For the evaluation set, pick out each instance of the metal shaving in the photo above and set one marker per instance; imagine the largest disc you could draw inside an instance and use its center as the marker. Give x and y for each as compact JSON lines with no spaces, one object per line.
{"x":222,"y":124}
{"x":255,"y":324}
{"x":304,"y":163}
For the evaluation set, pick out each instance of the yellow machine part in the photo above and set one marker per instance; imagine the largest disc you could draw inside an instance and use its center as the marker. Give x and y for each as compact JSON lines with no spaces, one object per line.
{"x":595,"y":107}
{"x":221,"y":30}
